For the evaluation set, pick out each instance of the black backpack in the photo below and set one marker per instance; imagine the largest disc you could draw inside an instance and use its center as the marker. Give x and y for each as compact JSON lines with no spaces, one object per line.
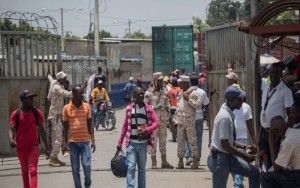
{"x":36,"y":116}
{"x":119,"y":165}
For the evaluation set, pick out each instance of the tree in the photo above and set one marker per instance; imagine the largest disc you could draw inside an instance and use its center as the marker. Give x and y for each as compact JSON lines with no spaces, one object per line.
{"x":199,"y":25}
{"x":139,"y":35}
{"x":223,"y":12}
{"x":102,"y":34}
{"x":70,"y":36}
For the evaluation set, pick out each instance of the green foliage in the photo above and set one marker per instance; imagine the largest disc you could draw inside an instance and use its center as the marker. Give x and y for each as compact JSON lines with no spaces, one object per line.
{"x":8,"y":25}
{"x":102,"y":34}
{"x":199,"y":25}
{"x":139,"y":35}
{"x":287,"y":17}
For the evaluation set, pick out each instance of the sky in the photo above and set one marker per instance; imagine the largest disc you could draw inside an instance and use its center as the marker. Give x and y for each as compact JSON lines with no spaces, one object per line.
{"x":114,"y":14}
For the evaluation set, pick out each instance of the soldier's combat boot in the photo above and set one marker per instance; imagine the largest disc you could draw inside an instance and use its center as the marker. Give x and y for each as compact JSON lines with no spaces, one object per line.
{"x":164,"y":163}
{"x":154,"y":162}
{"x":54,"y":162}
{"x":180,"y":164}
{"x":195,"y":163}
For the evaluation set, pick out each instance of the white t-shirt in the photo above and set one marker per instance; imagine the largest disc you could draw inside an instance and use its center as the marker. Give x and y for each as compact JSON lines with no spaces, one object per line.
{"x":289,"y":153}
{"x":280,"y":100}
{"x":203,"y":100}
{"x":240,"y":117}
{"x":223,"y":128}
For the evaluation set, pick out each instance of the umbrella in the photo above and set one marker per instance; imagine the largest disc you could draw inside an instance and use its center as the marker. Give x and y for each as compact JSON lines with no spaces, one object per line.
{"x":267,"y":59}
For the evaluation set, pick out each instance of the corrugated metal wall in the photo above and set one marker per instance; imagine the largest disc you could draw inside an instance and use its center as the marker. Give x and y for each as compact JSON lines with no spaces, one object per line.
{"x":226,"y":45}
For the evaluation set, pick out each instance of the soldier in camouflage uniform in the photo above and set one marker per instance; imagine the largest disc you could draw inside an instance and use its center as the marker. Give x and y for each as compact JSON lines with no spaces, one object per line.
{"x":157,"y":97}
{"x":56,"y":96}
{"x":184,"y":118}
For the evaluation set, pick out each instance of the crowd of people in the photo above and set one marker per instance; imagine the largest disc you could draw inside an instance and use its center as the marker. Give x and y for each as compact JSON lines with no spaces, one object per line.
{"x":73,"y":122}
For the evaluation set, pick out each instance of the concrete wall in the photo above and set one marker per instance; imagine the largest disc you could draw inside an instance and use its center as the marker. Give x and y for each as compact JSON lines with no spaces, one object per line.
{"x":118,"y":71}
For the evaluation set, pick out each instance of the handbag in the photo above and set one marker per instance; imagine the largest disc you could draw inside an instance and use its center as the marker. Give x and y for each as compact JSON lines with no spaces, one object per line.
{"x":119,"y":165}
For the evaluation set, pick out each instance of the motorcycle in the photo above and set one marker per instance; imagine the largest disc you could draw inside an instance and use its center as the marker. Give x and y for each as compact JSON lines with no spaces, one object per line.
{"x":105,"y":115}
{"x":173,"y":127}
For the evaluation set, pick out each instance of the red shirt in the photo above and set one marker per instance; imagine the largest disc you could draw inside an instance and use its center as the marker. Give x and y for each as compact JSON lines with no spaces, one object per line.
{"x":27,"y":132}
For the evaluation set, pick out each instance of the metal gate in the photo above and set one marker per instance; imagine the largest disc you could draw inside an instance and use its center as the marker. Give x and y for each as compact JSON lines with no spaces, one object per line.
{"x":80,"y":68}
{"x":29,"y":54}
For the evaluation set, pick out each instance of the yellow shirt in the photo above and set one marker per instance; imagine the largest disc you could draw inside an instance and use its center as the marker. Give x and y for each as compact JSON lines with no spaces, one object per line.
{"x":99,"y":94}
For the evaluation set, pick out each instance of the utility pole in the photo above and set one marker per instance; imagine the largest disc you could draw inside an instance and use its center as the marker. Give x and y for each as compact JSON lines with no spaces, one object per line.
{"x":96,"y":29}
{"x":62,"y":29}
{"x":129,"y":23}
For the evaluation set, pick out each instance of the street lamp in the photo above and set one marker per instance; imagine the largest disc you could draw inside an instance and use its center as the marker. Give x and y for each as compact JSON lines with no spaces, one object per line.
{"x":62,"y":23}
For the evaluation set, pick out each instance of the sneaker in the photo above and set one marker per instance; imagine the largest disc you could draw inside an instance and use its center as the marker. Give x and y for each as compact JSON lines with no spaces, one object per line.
{"x":54,"y":162}
{"x":66,"y":153}
{"x":188,"y":162}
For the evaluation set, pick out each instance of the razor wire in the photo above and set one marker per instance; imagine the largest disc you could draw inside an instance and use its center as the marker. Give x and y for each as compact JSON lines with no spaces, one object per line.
{"x":35,"y":20}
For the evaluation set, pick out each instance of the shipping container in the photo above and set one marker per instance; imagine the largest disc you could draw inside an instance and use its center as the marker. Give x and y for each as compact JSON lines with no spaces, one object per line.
{"x":172,"y":48}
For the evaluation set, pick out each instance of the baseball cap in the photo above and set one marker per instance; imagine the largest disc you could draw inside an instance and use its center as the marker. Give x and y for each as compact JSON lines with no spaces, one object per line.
{"x":60,"y":75}
{"x":100,"y":82}
{"x":131,"y":78}
{"x":26,"y":94}
{"x":232,"y":76}
{"x":234,"y":91}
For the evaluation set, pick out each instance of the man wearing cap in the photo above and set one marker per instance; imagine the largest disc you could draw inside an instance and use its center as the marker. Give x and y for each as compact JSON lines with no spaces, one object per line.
{"x":93,"y":82}
{"x":56,"y":95}
{"x":157,"y":97}
{"x":129,"y":87}
{"x":225,"y":158}
{"x":184,"y":118}
{"x":243,"y":120}
{"x":277,"y":99}
{"x":98,"y":95}
{"x":23,"y":135}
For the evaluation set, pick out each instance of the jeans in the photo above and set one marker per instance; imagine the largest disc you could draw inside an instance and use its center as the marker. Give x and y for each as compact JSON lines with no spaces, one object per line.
{"x":136,"y":154}
{"x":223,"y":164}
{"x":81,"y":150}
{"x":29,"y":160}
{"x":95,"y":111}
{"x":282,"y":178}
{"x":238,"y":179}
{"x":199,"y":131}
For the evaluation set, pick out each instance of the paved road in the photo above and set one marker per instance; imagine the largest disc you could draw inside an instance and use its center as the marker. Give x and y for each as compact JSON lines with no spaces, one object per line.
{"x":61,"y":177}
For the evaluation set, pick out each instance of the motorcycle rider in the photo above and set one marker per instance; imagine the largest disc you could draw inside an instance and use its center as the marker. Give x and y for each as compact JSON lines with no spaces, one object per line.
{"x":98,"y":95}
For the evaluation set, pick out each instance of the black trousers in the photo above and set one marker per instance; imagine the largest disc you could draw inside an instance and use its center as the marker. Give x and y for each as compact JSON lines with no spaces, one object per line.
{"x":281,"y":179}
{"x":265,"y":146}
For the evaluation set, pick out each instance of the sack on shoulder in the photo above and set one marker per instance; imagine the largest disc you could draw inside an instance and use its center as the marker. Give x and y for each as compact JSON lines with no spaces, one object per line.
{"x":119,"y":165}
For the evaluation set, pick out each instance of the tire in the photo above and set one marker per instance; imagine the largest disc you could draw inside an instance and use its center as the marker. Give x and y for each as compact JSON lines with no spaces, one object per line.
{"x":98,"y":121}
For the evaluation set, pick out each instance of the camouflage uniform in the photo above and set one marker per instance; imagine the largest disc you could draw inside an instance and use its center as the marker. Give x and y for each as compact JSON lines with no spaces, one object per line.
{"x":155,"y":98}
{"x":57,"y":104}
{"x":185,"y":120}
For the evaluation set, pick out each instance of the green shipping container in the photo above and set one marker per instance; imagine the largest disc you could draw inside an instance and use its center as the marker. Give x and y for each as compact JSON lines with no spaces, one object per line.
{"x":172,"y":48}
